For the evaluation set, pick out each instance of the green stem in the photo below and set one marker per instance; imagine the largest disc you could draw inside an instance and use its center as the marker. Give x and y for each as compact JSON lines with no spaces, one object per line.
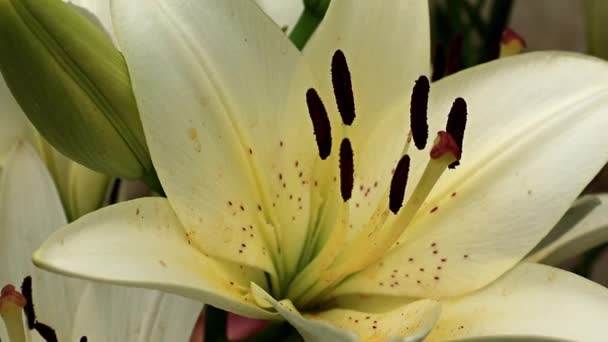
{"x":306,"y":25}
{"x":215,"y":324}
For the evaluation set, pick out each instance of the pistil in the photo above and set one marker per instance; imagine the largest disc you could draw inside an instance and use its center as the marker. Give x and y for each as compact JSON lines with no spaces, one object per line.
{"x":11,"y":306}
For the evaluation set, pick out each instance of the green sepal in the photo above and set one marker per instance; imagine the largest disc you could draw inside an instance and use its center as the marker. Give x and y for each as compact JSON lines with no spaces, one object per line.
{"x":74,"y":86}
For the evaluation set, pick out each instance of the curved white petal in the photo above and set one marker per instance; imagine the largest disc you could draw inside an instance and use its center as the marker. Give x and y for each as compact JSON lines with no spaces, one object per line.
{"x":409,"y":322}
{"x":387,"y":47}
{"x":221,"y":93}
{"x":583,"y":227}
{"x":115,"y":313}
{"x":30,"y":210}
{"x":528,"y":152}
{"x":531,"y":299}
{"x":141,"y":243}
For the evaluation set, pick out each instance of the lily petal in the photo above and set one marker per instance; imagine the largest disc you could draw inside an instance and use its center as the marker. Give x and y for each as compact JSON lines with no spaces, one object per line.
{"x":410,"y":322}
{"x":583,"y":227}
{"x":533,"y":300}
{"x":222,"y":98}
{"x":387,"y":48}
{"x":30,"y":210}
{"x":142,"y":243}
{"x":115,"y":313}
{"x":486,"y":215}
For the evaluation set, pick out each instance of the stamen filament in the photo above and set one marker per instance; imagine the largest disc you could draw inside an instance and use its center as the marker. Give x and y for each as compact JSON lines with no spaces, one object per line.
{"x":312,"y":272}
{"x":376,"y":239}
{"x":11,"y":307}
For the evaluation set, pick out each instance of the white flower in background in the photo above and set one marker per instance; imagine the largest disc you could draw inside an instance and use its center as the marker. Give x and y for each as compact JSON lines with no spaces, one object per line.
{"x":355,"y":231}
{"x":30,"y":210}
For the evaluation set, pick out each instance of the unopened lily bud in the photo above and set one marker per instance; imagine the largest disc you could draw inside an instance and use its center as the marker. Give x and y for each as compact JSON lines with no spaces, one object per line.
{"x":74,"y":86}
{"x":511,"y":43}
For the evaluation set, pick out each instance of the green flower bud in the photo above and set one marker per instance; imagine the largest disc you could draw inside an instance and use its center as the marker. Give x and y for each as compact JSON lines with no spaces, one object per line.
{"x":74,"y":86}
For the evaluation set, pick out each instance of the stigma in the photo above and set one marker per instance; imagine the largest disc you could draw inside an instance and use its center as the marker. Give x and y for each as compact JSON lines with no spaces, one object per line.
{"x":12,"y":303}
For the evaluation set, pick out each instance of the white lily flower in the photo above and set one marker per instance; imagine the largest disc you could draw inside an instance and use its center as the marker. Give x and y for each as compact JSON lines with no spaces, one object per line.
{"x":265,"y":219}
{"x":30,"y":210}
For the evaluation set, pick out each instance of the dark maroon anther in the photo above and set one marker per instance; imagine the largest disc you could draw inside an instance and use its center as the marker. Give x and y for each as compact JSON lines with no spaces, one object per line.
{"x":457,"y":121}
{"x":26,"y":290}
{"x":398,"y":184}
{"x":418,"y":112}
{"x":320,"y":122}
{"x":47,"y":333}
{"x":343,"y":88}
{"x":347,"y":169}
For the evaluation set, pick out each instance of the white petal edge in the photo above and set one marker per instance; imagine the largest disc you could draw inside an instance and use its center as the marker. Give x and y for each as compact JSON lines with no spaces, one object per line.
{"x":141,"y":243}
{"x":530,"y":299}
{"x":587,"y":227}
